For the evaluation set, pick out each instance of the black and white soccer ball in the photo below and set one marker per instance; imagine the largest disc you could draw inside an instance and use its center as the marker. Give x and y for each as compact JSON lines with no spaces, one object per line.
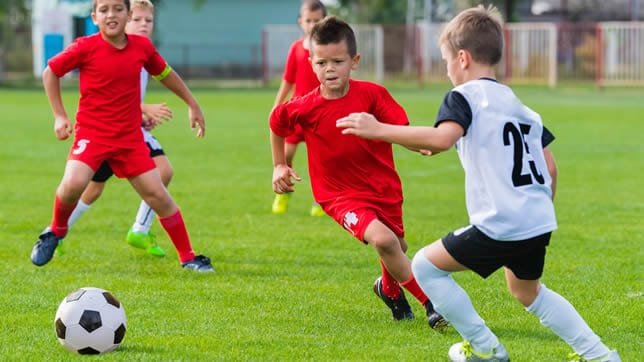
{"x":90,"y":321}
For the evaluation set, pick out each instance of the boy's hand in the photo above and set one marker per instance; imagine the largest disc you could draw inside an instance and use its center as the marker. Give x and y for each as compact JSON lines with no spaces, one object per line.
{"x":158,"y":113}
{"x":360,"y":124}
{"x":283,"y":179}
{"x":62,"y":128}
{"x":197,"y":120}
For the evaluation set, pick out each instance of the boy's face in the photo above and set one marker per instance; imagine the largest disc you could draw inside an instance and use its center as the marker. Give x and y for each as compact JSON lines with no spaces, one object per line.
{"x":454,"y":69}
{"x":308,"y":19}
{"x":333,"y":65}
{"x":110,"y":16}
{"x":141,"y":22}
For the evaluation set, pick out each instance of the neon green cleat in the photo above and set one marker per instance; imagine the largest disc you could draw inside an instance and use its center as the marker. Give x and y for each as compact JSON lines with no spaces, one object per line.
{"x":464,"y":352}
{"x":316,"y":210}
{"x":280,"y":204}
{"x":612,"y":356}
{"x":146,"y":241}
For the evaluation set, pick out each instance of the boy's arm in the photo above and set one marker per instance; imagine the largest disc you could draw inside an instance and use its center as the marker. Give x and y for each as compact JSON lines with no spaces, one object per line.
{"x":433,"y":139}
{"x":552,"y":169}
{"x":283,"y":175}
{"x":174,"y":83}
{"x":282,"y":93}
{"x":51,"y":83}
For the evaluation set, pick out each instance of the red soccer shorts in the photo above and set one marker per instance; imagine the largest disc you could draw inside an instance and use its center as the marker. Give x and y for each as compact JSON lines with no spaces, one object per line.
{"x":126,"y":162}
{"x":356,"y":216}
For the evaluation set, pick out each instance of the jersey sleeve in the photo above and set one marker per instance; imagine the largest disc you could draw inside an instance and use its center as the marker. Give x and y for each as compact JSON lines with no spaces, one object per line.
{"x":70,"y":58}
{"x":155,"y":64}
{"x":387,"y":110}
{"x":281,"y":122}
{"x":455,"y":108}
{"x":546,"y":137}
{"x":290,"y":67}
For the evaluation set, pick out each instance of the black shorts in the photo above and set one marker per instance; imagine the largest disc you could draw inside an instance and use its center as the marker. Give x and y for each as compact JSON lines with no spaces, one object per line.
{"x":484,"y":255}
{"x":104,"y":171}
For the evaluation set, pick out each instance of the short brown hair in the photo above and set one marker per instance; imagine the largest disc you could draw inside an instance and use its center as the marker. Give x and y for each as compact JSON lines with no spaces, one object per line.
{"x":332,"y":30}
{"x":314,"y":5}
{"x":95,"y":2}
{"x":478,"y":30}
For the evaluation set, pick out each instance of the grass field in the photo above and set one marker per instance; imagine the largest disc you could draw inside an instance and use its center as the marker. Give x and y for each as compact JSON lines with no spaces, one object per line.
{"x":293,"y":287}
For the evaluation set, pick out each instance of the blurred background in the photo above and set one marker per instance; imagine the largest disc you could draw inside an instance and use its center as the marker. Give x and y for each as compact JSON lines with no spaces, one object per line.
{"x":246,"y":41}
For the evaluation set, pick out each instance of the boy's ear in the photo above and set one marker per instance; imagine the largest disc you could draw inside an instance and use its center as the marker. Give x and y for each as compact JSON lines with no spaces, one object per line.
{"x":464,"y":58}
{"x":355,"y":61}
{"x":93,"y":15}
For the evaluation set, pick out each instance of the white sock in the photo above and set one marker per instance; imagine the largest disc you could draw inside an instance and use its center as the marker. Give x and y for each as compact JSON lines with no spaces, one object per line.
{"x":556,"y":313}
{"x":144,"y":219}
{"x":451,"y":301}
{"x":80,"y":209}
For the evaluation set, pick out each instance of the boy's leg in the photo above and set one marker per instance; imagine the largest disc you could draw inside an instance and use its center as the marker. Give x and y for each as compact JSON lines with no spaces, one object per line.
{"x":153,"y":192}
{"x":556,"y":313}
{"x":432,"y":266}
{"x":92,"y":192}
{"x":396,"y":270}
{"x":75,"y":179}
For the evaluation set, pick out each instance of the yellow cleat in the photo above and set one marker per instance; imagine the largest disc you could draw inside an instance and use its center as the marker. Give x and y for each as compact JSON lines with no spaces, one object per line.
{"x":316,"y":210}
{"x":280,"y":204}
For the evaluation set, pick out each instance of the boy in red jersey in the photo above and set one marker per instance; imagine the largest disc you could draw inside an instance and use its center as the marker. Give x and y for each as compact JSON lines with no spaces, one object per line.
{"x":108,"y":125}
{"x":299,"y":74}
{"x":353,"y":179}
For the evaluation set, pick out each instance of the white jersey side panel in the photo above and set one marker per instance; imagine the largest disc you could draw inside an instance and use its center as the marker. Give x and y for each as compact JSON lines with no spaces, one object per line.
{"x":507,"y":184}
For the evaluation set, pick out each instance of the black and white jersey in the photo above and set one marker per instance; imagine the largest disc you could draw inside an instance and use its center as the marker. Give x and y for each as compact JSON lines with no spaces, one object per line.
{"x":507,"y":184}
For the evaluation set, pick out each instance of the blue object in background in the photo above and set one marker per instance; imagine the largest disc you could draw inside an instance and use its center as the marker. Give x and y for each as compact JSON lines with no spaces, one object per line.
{"x":90,"y":27}
{"x":52,"y":44}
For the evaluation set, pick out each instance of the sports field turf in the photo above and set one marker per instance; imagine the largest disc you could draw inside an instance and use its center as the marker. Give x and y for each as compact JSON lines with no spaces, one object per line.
{"x":293,"y":287}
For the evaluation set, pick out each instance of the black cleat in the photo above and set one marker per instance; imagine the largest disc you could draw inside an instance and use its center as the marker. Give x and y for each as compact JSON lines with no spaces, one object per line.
{"x":435,"y":320}
{"x":44,"y":248}
{"x":200,"y":263}
{"x":400,"y":308}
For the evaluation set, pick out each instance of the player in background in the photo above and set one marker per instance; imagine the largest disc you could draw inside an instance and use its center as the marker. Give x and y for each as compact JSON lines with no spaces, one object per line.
{"x":353,"y":179}
{"x":298,"y":74}
{"x":509,"y":188}
{"x":141,"y":22}
{"x":108,"y":125}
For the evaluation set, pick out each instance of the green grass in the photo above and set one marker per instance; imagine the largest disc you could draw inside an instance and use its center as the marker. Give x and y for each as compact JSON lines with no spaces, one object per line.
{"x":299,"y":288}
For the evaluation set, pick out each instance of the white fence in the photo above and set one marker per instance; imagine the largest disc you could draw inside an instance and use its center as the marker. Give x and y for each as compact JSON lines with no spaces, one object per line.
{"x":621,"y":54}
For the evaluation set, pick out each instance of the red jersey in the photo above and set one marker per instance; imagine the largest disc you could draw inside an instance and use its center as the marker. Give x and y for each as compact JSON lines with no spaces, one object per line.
{"x":298,"y":69}
{"x":345,"y":167}
{"x":109,"y":109}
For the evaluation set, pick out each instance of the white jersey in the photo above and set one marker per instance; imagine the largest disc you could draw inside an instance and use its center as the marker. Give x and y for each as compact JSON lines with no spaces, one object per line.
{"x":144,"y":83}
{"x":507,"y":184}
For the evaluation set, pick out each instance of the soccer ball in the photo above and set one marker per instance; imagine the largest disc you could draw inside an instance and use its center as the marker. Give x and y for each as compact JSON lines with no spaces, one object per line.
{"x":90,"y":321}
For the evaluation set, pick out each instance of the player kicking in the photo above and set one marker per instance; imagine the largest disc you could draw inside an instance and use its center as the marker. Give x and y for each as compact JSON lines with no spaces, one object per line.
{"x":108,"y":125}
{"x":141,"y":23}
{"x":509,"y":181}
{"x":354,"y":180}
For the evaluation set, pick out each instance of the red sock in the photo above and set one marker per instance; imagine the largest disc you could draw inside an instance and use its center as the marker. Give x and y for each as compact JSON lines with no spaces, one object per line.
{"x":60,"y":217}
{"x":176,"y":229}
{"x":413,"y":288}
{"x":390,"y":286}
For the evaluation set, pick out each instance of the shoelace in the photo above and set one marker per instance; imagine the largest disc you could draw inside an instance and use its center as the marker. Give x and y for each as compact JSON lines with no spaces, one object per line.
{"x":468,"y":351}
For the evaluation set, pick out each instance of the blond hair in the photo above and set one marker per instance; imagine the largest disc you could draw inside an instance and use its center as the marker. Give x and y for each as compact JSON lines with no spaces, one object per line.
{"x":143,"y":4}
{"x":478,"y":30}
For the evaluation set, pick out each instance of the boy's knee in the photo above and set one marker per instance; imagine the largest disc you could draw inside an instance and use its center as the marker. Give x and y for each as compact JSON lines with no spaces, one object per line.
{"x":384,"y":242}
{"x":424,"y":268}
{"x":524,"y":293}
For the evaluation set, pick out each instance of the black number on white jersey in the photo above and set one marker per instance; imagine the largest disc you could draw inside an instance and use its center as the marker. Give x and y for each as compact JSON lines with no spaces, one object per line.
{"x":519,"y":144}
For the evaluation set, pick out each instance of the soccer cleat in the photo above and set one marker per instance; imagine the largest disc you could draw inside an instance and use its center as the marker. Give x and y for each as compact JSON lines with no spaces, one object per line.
{"x":43,"y":250}
{"x":200,"y":263}
{"x":612,"y":356}
{"x":435,"y":320}
{"x":280,"y":204}
{"x":316,"y":210}
{"x":145,"y":241}
{"x":463,"y":352}
{"x":400,"y":308}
